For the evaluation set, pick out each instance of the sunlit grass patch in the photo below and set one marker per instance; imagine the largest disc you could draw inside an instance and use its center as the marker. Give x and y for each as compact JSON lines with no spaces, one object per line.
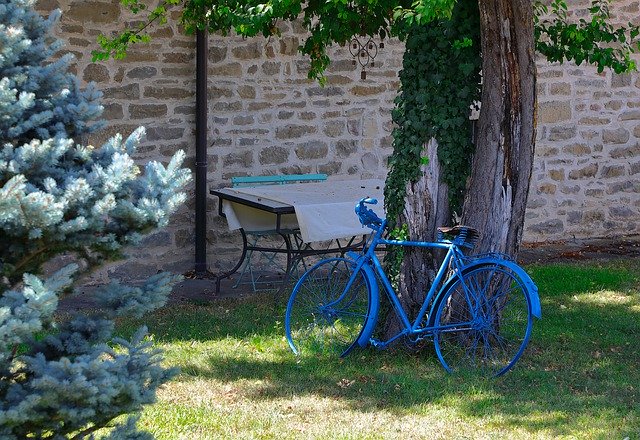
{"x":578,"y":378}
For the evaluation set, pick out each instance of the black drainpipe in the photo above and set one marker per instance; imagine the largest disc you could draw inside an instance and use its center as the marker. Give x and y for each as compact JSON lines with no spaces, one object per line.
{"x":202,"y":52}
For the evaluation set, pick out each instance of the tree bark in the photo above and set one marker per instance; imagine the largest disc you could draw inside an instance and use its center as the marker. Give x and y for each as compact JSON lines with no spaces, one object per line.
{"x":426,"y":208}
{"x":498,"y":187}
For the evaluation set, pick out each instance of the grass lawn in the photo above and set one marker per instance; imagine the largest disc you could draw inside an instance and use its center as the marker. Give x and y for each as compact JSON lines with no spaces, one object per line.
{"x":578,"y":378}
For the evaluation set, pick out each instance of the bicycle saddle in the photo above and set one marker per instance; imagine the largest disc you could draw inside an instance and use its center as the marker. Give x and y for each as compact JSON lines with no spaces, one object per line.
{"x":469,"y":232}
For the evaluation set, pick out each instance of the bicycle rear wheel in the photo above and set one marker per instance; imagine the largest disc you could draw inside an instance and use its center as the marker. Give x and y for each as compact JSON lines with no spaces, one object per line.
{"x":483,"y":323}
{"x":328,"y":309}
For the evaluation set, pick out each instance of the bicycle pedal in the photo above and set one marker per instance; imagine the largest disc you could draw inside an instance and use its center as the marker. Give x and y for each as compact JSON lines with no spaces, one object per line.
{"x":375,"y":343}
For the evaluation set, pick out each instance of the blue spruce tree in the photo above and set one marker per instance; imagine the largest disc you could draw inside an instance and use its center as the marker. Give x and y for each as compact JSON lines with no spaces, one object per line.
{"x":68,"y":379}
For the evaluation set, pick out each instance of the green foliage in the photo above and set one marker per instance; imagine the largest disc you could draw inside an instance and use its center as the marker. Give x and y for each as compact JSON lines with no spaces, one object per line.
{"x":595,"y":41}
{"x":439,"y":81}
{"x":328,"y":22}
{"x":67,"y":378}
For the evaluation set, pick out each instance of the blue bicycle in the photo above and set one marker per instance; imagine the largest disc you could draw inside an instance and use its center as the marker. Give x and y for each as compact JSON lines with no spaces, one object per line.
{"x":479,"y":318}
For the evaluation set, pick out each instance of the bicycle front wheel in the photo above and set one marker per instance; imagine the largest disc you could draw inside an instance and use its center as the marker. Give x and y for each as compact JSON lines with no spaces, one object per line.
{"x":328,"y":309}
{"x":484,"y":321}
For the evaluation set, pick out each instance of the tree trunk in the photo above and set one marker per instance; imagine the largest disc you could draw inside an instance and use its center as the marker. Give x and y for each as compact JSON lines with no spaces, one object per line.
{"x":426,"y":207}
{"x":498,"y":188}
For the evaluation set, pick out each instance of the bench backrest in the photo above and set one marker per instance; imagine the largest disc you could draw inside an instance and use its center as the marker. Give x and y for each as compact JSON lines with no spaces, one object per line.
{"x":237,"y":182}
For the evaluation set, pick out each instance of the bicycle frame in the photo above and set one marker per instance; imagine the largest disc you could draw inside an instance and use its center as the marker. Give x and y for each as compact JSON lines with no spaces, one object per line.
{"x":369,"y":258}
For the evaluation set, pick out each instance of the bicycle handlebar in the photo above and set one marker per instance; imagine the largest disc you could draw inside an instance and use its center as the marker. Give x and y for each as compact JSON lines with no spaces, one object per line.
{"x":366,"y":216}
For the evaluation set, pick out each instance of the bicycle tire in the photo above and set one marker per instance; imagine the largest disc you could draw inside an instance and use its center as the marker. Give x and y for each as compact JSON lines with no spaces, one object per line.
{"x":486,"y":326}
{"x":322,"y":318}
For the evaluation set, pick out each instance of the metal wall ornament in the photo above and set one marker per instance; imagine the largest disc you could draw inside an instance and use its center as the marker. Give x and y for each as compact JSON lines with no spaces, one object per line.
{"x":365,"y":53}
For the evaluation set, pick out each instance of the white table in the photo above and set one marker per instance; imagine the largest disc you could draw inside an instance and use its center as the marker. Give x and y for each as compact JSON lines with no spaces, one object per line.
{"x":321,"y":211}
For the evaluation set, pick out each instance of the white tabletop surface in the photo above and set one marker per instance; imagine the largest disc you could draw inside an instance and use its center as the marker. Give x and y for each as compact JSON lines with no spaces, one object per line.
{"x":323,"y":210}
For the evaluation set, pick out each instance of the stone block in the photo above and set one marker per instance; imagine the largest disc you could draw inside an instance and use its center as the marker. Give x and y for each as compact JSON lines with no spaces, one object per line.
{"x":625,"y":152}
{"x":96,"y":72}
{"x":231,"y":69}
{"x":338,"y":80}
{"x":594,"y":215}
{"x":611,"y":171}
{"x":243,"y":120}
{"x":537,"y":202}
{"x":246,"y":142}
{"x":185,"y":238}
{"x":325,"y":91}
{"x":553,"y":112}
{"x":331,"y":168}
{"x":142,"y":111}
{"x":370,"y":161}
{"x":217,"y":52}
{"x":574,"y":217}
{"x":112,"y":111}
{"x":244,"y":159}
{"x":593,"y":120}
{"x":587,"y":172}
{"x":617,"y":136}
{"x":548,"y":227}
{"x":550,"y":74}
{"x":185,"y":110}
{"x":131,"y":91}
{"x":285,"y":114}
{"x":227,"y":106}
{"x":594,"y":192}
{"x":341,"y":66}
{"x":635,"y":168}
{"x":621,"y":212}
{"x":562,"y":133}
{"x":613,"y":105}
{"x":557,"y":175}
{"x":296,"y":169}
{"x":289,"y":45}
{"x":93,"y":12}
{"x":164,"y":133}
{"x":623,"y":187}
{"x":178,"y":57}
{"x":168,"y":92}
{"x":142,"y":72}
{"x":271,"y":68}
{"x":292,"y":131}
{"x":249,"y":51}
{"x":345,"y":148}
{"x":273,"y":155}
{"x":214,"y":93}
{"x":368,"y":91}
{"x":257,"y":106}
{"x":312,"y":150}
{"x":547,"y":188}
{"x":334,"y":128}
{"x":630,"y":115}
{"x":561,"y":88}
{"x":620,"y":80}
{"x":156,"y":239}
{"x":576,"y":149}
{"x":570,"y":189}
{"x":307,"y":116}
{"x":247,"y":92}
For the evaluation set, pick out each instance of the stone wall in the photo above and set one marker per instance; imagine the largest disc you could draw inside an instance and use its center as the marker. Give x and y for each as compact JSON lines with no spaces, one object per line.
{"x":266,"y":117}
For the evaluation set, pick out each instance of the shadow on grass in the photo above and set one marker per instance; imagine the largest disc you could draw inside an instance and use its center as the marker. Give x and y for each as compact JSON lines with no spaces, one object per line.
{"x":578,"y":377}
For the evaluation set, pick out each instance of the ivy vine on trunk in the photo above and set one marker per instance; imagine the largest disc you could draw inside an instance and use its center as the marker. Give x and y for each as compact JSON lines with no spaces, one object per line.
{"x":440,"y":80}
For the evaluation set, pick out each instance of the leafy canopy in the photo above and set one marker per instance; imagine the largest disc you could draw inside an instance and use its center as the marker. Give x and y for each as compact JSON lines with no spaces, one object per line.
{"x":328,"y":21}
{"x":558,"y":37}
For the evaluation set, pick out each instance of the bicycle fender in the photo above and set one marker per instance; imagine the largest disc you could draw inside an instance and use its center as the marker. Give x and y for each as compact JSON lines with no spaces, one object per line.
{"x":531,"y":287}
{"x":374,"y":302}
